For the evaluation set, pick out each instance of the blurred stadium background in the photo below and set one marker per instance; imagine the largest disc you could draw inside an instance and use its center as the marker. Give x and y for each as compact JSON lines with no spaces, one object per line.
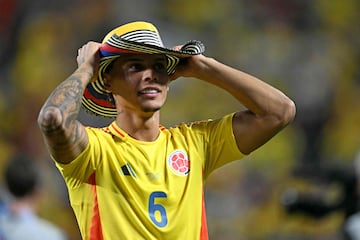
{"x":307,"y":48}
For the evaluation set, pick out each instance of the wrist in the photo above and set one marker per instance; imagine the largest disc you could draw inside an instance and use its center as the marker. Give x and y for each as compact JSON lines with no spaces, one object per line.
{"x":86,"y":67}
{"x":206,"y":68}
{"x":86,"y":71}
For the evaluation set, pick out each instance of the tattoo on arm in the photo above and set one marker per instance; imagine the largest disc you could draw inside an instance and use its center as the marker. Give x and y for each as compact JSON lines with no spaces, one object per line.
{"x":64,"y":135}
{"x":67,"y":98}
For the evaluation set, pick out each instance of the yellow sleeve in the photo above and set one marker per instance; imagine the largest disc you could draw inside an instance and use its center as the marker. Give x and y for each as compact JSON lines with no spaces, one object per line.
{"x":80,"y":169}
{"x":221,"y":147}
{"x":214,"y":141}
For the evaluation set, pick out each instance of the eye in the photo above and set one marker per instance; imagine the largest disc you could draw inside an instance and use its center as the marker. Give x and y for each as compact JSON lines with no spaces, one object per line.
{"x":160,"y":67}
{"x":135,"y":67}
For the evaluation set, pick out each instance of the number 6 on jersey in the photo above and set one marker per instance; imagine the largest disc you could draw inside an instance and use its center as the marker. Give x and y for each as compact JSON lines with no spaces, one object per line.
{"x":159,"y":219}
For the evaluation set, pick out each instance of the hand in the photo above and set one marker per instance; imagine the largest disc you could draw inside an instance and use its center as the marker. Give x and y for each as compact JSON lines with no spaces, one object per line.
{"x":189,"y":67}
{"x":186,"y":66}
{"x":89,"y":54}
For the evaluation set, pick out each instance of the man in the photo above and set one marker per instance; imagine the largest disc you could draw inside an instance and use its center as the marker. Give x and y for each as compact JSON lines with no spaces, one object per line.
{"x":21,"y":221}
{"x":136,"y":179}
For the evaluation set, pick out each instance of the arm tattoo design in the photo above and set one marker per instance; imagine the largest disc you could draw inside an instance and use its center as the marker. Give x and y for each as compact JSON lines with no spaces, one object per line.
{"x":60,"y":112}
{"x":67,"y":98}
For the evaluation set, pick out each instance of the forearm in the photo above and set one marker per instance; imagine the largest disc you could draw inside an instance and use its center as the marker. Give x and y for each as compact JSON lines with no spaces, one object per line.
{"x":65,"y":137}
{"x":256,"y":95}
{"x":268,"y":110}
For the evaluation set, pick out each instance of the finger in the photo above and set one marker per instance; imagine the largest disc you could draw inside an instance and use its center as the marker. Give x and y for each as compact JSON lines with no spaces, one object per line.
{"x":82,"y":50}
{"x":177,"y":48}
{"x":80,"y":56}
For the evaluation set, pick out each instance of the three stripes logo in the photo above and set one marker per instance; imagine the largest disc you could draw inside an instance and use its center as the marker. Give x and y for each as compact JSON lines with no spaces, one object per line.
{"x":127,"y":170}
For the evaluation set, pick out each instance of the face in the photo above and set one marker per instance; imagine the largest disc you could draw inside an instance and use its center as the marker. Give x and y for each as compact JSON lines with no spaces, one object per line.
{"x":139,"y":82}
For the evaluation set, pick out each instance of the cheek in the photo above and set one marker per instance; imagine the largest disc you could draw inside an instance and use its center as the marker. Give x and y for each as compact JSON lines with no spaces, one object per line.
{"x":125,"y":84}
{"x":164,"y":79}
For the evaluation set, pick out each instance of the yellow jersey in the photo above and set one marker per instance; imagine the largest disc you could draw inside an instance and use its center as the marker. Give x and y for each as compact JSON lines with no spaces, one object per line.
{"x":122,"y":188}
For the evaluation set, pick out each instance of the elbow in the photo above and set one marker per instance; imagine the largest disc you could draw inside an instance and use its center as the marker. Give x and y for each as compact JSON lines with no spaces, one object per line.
{"x":287,"y":113}
{"x":49,"y":120}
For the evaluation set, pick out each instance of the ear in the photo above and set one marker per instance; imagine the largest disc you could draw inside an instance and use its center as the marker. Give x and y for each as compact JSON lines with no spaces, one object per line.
{"x":107,"y":82}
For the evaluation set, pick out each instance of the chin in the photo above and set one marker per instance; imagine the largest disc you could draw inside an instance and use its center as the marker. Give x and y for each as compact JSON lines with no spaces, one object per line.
{"x":151,"y":109}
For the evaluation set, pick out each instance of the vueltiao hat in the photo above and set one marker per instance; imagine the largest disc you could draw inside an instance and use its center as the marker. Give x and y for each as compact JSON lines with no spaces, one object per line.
{"x":131,"y":38}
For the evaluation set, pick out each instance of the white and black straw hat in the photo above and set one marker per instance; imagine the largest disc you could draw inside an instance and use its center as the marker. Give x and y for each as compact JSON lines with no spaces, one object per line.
{"x":131,"y":38}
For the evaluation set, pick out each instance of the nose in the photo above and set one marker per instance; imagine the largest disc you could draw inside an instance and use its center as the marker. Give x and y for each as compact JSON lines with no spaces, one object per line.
{"x":149,"y":74}
{"x":152,"y":73}
{"x":153,"y":76}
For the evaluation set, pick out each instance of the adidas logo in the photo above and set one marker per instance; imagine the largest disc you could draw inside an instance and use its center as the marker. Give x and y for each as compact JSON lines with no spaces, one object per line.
{"x":126,"y":170}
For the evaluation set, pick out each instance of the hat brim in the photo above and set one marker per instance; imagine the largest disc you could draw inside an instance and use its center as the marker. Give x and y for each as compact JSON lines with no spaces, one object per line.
{"x":97,"y":101}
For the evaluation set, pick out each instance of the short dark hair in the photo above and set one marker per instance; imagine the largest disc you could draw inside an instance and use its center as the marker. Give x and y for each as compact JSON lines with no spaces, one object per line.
{"x":21,"y":176}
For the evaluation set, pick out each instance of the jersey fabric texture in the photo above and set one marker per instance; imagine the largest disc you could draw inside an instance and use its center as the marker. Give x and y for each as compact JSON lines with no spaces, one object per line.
{"x":122,"y":188}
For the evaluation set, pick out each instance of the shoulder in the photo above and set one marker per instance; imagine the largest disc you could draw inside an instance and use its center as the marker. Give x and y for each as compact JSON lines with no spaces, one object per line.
{"x":204,"y":125}
{"x":99,"y":133}
{"x":190,"y":126}
{"x":98,"y":130}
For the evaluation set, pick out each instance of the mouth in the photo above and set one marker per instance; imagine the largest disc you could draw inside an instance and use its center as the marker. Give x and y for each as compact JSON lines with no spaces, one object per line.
{"x":150,"y":92}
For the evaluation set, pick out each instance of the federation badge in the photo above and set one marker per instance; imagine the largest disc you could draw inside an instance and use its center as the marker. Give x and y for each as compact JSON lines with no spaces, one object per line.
{"x":179,"y":163}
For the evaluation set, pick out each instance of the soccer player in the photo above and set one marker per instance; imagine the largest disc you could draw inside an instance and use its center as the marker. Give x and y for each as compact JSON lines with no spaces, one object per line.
{"x":136,"y":179}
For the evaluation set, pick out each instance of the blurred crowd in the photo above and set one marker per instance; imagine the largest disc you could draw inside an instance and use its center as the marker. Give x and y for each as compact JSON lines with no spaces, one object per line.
{"x":307,"y":48}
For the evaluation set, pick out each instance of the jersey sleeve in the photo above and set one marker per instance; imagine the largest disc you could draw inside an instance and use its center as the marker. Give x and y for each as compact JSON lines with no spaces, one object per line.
{"x":80,"y":169}
{"x":220,"y":144}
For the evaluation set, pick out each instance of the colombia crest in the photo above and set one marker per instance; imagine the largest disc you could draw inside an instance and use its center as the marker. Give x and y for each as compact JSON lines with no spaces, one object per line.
{"x":179,"y":163}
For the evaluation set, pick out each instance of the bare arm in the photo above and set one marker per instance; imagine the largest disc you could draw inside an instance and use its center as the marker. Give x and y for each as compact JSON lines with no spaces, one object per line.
{"x":64,"y":136}
{"x":268,"y":109}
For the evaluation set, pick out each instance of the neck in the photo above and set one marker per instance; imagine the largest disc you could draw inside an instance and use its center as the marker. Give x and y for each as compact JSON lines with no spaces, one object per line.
{"x":143,"y":128}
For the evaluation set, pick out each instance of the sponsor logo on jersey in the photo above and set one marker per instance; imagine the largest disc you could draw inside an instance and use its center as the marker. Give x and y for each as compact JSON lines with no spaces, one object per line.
{"x":179,"y":163}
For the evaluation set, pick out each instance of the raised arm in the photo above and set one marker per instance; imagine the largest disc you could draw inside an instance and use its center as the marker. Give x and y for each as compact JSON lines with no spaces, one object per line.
{"x":64,"y":136}
{"x":268,"y":109}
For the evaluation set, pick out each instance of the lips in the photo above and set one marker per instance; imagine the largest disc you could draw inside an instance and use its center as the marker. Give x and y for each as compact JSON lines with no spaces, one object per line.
{"x":149,"y":91}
